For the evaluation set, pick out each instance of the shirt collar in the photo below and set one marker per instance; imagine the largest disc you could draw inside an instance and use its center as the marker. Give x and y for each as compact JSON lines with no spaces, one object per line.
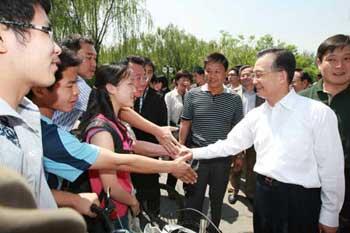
{"x":289,"y":100}
{"x":46,"y":119}
{"x":319,"y":87}
{"x":7,"y":110}
{"x":176,"y":93}
{"x":26,"y":112}
{"x":205,"y":88}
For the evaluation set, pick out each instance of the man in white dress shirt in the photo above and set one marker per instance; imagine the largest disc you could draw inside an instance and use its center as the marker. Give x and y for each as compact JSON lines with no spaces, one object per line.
{"x":300,"y":163}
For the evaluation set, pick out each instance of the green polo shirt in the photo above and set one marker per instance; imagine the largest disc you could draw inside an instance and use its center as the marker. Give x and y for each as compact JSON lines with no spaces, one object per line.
{"x":340,"y":104}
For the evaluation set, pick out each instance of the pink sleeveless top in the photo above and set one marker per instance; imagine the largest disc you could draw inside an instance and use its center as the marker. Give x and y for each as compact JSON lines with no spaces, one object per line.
{"x":123,"y":177}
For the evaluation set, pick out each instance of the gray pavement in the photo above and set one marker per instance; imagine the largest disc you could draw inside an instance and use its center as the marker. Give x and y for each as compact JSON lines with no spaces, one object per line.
{"x":237,"y":218}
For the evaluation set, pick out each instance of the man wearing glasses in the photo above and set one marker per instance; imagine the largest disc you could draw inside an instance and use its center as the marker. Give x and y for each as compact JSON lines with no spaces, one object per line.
{"x":299,"y":164}
{"x":150,"y":105}
{"x":28,"y":57}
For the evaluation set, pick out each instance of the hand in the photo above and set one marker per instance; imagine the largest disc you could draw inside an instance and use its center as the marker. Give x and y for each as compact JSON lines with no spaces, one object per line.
{"x":167,"y":140}
{"x":84,"y":202}
{"x":184,"y":151}
{"x":135,"y":207}
{"x":238,"y":163}
{"x":183,"y":170}
{"x":326,"y":229}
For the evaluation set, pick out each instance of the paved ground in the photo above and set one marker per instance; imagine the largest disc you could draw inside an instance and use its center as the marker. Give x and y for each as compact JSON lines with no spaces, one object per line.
{"x":236,"y":218}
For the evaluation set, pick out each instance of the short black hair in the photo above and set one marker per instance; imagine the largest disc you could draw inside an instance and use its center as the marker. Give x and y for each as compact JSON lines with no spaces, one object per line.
{"x":74,"y":41}
{"x":183,"y":74}
{"x":216,"y":58}
{"x":67,"y":59}
{"x":132,"y":59}
{"x":149,"y":62}
{"x":21,"y":11}
{"x":243,"y":67}
{"x":283,"y":60}
{"x":332,"y":43}
{"x":304,"y":75}
{"x":198,"y":70}
{"x":136,"y":60}
{"x":156,"y":79}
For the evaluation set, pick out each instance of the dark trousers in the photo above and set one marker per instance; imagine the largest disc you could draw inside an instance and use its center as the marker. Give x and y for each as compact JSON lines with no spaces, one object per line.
{"x":214,"y":173}
{"x":344,"y":216}
{"x":285,"y":208}
{"x":248,"y":165}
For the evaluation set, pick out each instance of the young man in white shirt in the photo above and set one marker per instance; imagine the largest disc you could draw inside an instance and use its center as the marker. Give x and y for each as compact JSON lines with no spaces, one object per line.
{"x":300,"y":163}
{"x":28,"y":57}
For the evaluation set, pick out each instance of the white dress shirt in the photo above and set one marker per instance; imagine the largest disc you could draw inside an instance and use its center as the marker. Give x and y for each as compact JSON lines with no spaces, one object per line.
{"x":174,"y":104}
{"x":297,"y":142}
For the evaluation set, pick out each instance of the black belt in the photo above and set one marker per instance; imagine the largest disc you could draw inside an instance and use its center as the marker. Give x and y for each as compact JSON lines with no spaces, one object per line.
{"x":268,"y":180}
{"x":273,"y":182}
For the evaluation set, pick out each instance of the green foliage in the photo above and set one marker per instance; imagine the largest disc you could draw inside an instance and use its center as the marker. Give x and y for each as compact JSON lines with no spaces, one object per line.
{"x":174,"y":47}
{"x":115,"y":26}
{"x":120,"y":19}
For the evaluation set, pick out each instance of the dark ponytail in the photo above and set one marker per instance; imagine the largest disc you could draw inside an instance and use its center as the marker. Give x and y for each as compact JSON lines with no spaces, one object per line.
{"x":99,"y":100}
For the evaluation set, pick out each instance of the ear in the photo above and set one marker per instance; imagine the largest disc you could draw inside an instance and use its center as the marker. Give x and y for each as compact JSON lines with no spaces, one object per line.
{"x":39,"y":92}
{"x":111,"y":88}
{"x":318,"y":63}
{"x":3,"y":47}
{"x":283,"y":76}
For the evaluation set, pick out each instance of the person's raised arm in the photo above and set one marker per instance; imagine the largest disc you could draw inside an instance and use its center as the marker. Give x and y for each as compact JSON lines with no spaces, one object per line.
{"x":149,"y":149}
{"x":141,"y":164}
{"x":163,"y":134}
{"x":185,"y":127}
{"x":109,"y":160}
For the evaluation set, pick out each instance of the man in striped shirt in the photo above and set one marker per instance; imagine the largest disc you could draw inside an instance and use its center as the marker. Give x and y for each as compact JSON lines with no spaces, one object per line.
{"x":209,"y":113}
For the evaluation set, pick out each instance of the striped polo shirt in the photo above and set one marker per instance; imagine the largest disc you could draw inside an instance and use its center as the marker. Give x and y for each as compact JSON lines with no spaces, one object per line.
{"x":212,"y":116}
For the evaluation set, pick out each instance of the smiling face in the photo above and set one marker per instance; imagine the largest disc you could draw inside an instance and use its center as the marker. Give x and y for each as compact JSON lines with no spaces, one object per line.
{"x":215,"y":73}
{"x":34,"y":60}
{"x":87,"y":53}
{"x":268,"y":82}
{"x":246,"y":78}
{"x":65,"y":92}
{"x":335,"y":67}
{"x":139,"y":78}
{"x":122,"y":95}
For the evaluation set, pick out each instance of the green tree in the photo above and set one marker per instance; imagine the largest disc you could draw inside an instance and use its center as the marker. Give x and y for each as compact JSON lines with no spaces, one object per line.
{"x":121,"y":19}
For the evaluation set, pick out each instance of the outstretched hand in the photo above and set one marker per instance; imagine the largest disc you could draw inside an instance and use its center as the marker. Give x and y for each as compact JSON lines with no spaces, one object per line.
{"x":167,"y":140}
{"x":183,"y":171}
{"x":184,"y":151}
{"x":326,"y":229}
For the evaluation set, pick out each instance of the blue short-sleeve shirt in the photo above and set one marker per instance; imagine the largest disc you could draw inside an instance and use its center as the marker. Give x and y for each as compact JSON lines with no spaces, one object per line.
{"x":64,"y":155}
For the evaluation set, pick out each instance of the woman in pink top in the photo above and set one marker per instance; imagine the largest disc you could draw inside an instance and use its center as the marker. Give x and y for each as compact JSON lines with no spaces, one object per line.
{"x":114,"y":89}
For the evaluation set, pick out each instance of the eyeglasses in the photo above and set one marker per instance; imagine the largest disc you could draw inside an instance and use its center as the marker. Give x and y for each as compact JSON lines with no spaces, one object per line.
{"x":260,"y":74}
{"x":143,"y":79}
{"x":247,"y":75}
{"x":46,"y":29}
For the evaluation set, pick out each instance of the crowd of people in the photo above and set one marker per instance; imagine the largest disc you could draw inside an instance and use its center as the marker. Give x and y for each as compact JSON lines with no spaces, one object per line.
{"x":67,"y":142}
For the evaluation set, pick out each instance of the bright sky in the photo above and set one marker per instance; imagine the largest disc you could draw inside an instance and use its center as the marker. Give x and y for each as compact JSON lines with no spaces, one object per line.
{"x":304,"y":23}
